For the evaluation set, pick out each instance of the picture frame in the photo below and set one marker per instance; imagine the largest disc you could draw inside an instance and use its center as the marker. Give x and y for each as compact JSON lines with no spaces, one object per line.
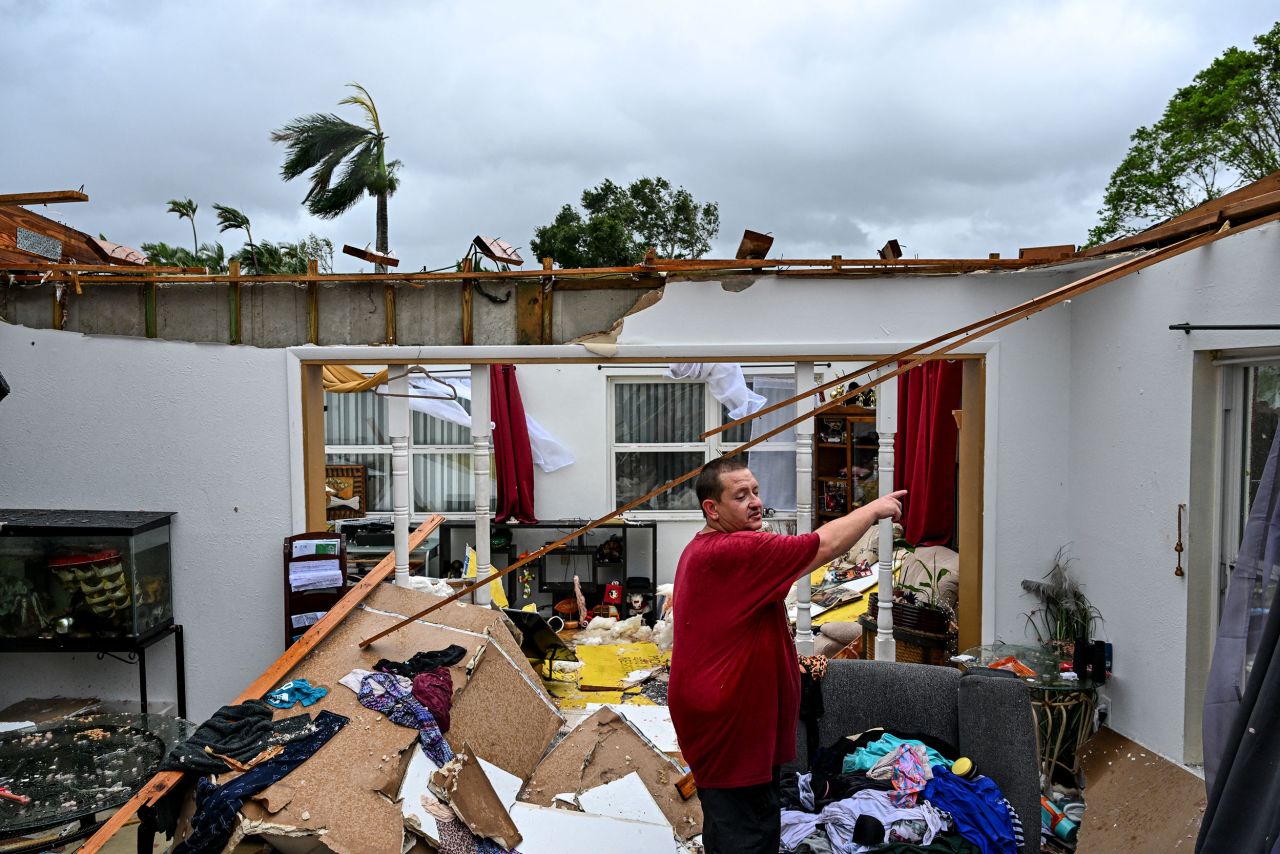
{"x":345,"y":484}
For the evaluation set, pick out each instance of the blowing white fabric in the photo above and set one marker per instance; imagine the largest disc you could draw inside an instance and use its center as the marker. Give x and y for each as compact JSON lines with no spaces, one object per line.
{"x":725,"y":382}
{"x":548,"y":453}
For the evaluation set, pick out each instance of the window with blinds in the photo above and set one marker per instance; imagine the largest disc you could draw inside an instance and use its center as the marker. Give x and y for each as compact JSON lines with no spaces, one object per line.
{"x":655,"y":428}
{"x":440,"y":472}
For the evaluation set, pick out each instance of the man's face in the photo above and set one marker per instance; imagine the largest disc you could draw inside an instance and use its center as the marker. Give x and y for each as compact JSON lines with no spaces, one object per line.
{"x":739,"y":507}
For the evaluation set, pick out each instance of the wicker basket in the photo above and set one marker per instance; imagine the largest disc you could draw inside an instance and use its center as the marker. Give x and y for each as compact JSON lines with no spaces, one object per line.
{"x":913,"y":646}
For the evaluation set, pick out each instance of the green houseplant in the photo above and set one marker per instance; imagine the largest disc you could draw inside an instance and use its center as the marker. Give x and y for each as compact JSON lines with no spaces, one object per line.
{"x":1064,"y":614}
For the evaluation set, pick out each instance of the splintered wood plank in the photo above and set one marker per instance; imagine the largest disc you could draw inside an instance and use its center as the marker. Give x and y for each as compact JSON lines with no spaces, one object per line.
{"x":48,"y":197}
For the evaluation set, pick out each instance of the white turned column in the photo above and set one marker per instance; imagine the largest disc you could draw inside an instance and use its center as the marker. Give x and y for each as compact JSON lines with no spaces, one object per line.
{"x":399,"y":423}
{"x":804,"y":499}
{"x":886,"y":427}
{"x":480,"y":453}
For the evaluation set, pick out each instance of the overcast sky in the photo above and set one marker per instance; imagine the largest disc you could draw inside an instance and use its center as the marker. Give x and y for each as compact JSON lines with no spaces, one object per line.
{"x":957,"y":128}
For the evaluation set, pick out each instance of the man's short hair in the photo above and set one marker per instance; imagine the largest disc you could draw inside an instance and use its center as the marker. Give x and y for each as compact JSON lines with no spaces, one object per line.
{"x":708,"y":483}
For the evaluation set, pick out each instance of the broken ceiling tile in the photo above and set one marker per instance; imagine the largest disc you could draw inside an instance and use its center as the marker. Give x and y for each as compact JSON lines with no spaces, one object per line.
{"x":553,"y":831}
{"x":606,"y":747}
{"x":464,"y":786}
{"x":625,"y":798}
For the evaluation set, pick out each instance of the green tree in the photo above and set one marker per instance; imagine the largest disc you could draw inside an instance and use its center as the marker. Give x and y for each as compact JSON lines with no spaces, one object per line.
{"x":1217,"y":134}
{"x":286,"y":258}
{"x":211,"y":256}
{"x":185,"y":208}
{"x":230,"y":219}
{"x":321,"y":142}
{"x":618,"y":225}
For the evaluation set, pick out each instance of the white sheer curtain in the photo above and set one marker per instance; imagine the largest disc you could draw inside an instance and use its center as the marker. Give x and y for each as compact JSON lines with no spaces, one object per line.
{"x":775,"y":469}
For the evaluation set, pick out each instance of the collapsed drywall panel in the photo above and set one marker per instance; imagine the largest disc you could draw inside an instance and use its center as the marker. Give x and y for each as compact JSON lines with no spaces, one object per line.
{"x":653,"y":721}
{"x":626,"y":798}
{"x":548,"y":830}
{"x":415,"y":784}
{"x":505,"y":719}
{"x":344,"y":791}
{"x":464,"y":786}
{"x":604,"y":748}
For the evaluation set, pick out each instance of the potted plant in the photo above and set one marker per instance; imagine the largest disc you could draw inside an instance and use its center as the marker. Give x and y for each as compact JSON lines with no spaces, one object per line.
{"x":1064,"y":614}
{"x":918,"y":606}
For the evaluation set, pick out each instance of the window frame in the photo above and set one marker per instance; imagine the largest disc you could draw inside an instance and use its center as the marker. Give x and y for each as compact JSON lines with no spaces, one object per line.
{"x":416,"y":450}
{"x":710,"y":448}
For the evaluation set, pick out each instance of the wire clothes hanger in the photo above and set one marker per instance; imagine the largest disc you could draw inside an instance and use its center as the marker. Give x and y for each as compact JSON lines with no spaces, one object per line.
{"x":452,"y":393}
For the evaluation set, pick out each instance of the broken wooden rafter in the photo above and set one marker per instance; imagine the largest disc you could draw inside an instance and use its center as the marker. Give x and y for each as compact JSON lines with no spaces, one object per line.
{"x":913,"y":357}
{"x":49,"y":197}
{"x":161,"y":783}
{"x":370,"y":256}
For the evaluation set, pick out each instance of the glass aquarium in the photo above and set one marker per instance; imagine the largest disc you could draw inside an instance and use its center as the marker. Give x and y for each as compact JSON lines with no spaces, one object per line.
{"x":79,"y":574}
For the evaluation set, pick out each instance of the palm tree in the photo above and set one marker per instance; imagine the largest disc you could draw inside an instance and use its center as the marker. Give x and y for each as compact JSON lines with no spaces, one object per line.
{"x":230,"y":219}
{"x":186,"y":209}
{"x":321,"y":142}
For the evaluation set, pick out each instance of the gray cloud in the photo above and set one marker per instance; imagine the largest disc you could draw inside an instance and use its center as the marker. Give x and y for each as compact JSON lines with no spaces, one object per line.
{"x":959,"y":129}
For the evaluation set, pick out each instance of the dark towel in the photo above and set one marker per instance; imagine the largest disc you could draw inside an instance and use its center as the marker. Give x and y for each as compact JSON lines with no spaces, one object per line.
{"x":421,"y":662}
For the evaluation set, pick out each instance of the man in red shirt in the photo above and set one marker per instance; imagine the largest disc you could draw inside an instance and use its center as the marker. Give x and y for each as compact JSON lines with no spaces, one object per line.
{"x":734,"y":692}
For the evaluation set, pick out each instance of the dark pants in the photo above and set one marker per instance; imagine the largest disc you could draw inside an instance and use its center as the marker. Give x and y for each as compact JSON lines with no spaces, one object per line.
{"x":745,"y":820}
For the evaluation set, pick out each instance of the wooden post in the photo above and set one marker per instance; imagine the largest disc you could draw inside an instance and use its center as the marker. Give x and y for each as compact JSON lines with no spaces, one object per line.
{"x":233,"y":301}
{"x":59,"y":296}
{"x":837,"y":263}
{"x":313,"y":459}
{"x":389,"y":308}
{"x":969,"y":490}
{"x":468,"y":329}
{"x":313,"y":304}
{"x":548,"y":304}
{"x":150,"y":297}
{"x":529,"y":319}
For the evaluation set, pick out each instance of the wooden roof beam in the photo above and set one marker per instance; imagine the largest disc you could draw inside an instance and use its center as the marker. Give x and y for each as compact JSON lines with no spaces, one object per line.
{"x":49,"y":197}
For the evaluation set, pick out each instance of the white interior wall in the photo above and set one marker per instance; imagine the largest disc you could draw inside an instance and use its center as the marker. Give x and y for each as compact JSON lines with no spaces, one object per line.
{"x":1130,"y":450}
{"x":106,"y":423}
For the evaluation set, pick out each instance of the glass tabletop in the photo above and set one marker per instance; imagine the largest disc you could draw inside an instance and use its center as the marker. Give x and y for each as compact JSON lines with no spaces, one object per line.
{"x":74,"y":767}
{"x":1039,"y":667}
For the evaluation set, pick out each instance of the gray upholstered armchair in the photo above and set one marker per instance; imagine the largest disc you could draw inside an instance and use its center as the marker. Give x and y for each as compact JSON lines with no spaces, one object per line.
{"x":986,"y":715}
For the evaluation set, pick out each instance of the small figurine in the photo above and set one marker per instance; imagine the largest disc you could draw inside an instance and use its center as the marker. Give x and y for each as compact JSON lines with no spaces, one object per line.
{"x":640,"y":605}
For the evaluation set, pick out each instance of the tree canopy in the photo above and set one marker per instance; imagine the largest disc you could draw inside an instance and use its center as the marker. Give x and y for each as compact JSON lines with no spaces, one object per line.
{"x":618,"y":225}
{"x":1218,"y":133}
{"x":321,"y":142}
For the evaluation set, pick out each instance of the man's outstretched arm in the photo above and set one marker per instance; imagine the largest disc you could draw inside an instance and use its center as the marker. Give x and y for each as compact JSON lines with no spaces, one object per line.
{"x":839,"y":535}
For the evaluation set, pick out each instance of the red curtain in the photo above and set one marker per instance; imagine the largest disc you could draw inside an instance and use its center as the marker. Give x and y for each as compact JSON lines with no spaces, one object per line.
{"x":925,"y":451}
{"x":512,"y":460}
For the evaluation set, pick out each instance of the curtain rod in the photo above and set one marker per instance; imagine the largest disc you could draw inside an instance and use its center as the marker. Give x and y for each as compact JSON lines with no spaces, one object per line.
{"x":768,"y":365}
{"x":1199,"y":327}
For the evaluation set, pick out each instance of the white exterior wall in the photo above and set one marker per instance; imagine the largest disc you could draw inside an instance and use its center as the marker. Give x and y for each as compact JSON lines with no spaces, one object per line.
{"x":105,"y":423}
{"x":1130,"y":450}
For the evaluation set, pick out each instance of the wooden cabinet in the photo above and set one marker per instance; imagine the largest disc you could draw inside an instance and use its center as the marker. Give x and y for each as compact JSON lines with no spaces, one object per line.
{"x":845,"y":461}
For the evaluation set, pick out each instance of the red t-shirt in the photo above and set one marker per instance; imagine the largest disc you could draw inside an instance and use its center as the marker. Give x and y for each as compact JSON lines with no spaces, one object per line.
{"x":734,"y":692}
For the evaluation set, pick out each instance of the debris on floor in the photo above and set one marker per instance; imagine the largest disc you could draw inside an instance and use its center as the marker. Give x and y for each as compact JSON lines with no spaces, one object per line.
{"x":415,"y":770}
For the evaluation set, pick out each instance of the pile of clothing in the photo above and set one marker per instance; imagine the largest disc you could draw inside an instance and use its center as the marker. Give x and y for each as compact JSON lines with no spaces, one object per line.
{"x":895,"y":792}
{"x":248,"y":739}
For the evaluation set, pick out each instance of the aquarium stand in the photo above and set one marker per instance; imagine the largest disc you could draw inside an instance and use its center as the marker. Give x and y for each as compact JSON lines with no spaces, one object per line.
{"x":133,"y":647}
